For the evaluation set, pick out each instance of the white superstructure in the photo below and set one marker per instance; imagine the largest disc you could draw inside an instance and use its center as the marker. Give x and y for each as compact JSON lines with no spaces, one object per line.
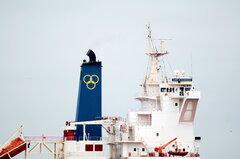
{"x":161,"y":128}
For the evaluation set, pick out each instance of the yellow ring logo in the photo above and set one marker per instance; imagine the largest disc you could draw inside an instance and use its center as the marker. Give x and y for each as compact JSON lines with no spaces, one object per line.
{"x":89,"y":79}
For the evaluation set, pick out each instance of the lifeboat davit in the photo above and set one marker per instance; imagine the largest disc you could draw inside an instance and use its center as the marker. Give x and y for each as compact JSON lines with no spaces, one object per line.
{"x":14,"y":148}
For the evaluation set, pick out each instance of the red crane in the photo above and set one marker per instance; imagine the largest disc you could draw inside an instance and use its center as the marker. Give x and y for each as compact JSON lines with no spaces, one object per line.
{"x":160,"y":148}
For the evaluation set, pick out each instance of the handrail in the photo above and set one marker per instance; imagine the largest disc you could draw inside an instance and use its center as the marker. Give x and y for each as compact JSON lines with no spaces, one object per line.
{"x":43,"y":138}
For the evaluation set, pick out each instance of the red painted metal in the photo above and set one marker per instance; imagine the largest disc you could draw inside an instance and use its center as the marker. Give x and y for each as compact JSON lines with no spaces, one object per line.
{"x":88,"y":147}
{"x":69,"y":135}
{"x":160,"y":148}
{"x":14,"y":148}
{"x":177,"y":153}
{"x":98,"y":147}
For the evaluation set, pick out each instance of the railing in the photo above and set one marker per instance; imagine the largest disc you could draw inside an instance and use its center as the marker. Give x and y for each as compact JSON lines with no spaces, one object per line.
{"x":184,"y":94}
{"x":114,"y":118}
{"x":177,"y":94}
{"x":141,"y":123}
{"x":172,"y":94}
{"x":43,"y":138}
{"x":118,"y":139}
{"x":88,"y":138}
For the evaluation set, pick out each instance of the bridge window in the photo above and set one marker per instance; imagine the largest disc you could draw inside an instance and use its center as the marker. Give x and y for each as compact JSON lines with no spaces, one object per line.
{"x":187,"y":89}
{"x":167,"y":90}
{"x":176,"y":104}
{"x":88,"y":147}
{"x":143,"y":149}
{"x":163,"y":89}
{"x":134,"y":149}
{"x":98,"y":147}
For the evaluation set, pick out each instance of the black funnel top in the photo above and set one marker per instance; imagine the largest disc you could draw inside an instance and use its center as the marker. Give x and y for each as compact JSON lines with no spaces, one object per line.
{"x":91,"y":55}
{"x":92,"y":59}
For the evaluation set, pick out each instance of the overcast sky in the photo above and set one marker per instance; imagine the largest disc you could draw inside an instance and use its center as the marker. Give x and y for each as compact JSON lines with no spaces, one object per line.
{"x":43,"y":43}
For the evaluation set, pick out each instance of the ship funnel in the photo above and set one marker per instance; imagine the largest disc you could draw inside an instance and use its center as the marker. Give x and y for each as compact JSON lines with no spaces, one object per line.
{"x":89,"y":104}
{"x":91,"y":55}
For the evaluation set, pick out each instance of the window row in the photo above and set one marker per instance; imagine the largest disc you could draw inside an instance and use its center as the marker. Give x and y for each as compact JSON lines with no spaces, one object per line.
{"x":89,"y":147}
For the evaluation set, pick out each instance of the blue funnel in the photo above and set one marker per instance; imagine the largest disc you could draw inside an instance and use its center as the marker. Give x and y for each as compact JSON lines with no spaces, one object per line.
{"x":89,"y":104}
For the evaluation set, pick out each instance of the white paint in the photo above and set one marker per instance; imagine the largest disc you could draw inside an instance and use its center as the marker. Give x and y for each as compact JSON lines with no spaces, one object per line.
{"x":167,"y":111}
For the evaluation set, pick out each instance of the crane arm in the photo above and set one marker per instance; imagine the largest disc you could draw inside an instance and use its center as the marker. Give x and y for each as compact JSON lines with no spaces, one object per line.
{"x":160,"y":148}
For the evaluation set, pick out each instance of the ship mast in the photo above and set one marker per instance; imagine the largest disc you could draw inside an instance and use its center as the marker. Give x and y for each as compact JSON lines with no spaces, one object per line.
{"x":154,"y":53}
{"x":150,"y":99}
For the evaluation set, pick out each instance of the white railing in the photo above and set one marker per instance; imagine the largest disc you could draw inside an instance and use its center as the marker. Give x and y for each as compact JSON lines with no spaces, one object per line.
{"x":114,"y":118}
{"x":184,"y":94}
{"x":141,"y":123}
{"x":118,"y":139}
{"x":43,"y":138}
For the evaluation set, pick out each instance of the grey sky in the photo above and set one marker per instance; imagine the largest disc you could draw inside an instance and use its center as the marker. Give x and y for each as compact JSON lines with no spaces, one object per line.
{"x":42,"y":44}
